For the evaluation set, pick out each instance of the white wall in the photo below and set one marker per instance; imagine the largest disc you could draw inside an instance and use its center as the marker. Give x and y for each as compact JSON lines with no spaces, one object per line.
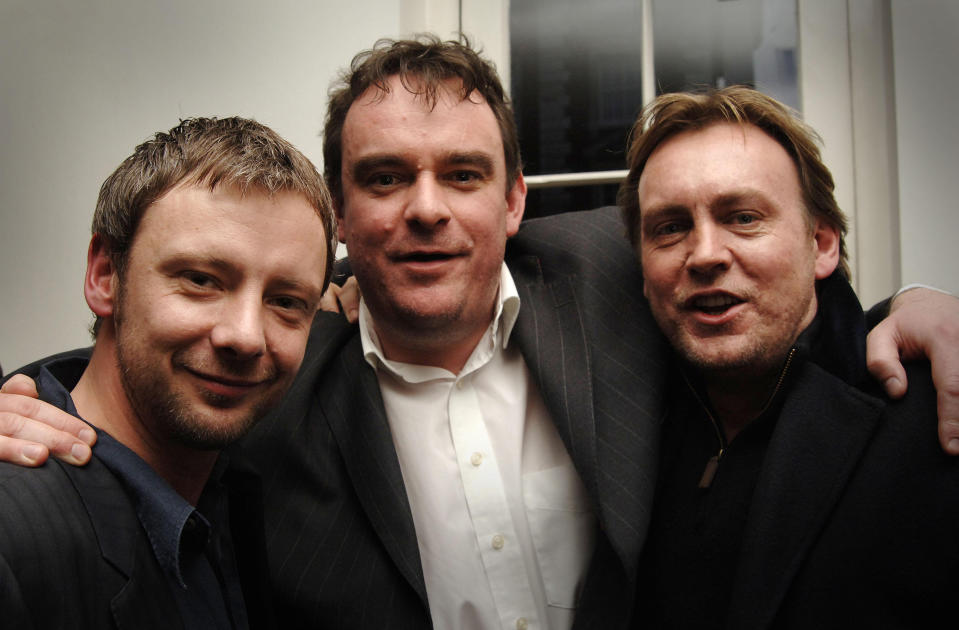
{"x":925,"y":43}
{"x":876,"y":82}
{"x":81,"y":83}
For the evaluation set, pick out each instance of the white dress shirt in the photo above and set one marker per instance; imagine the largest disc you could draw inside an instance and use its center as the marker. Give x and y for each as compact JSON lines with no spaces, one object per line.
{"x":502,"y":519}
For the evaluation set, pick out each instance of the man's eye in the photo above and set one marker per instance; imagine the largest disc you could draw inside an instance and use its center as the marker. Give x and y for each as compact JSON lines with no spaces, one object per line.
{"x":384,"y":180}
{"x":668,"y":229}
{"x":199,"y":279}
{"x":464,"y":177}
{"x":744,"y":218}
{"x":286,"y":302}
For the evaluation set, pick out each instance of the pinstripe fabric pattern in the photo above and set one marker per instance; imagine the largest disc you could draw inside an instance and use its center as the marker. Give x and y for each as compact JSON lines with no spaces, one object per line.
{"x":73,"y":555}
{"x":339,"y":531}
{"x":342,"y":545}
{"x":595,"y":287}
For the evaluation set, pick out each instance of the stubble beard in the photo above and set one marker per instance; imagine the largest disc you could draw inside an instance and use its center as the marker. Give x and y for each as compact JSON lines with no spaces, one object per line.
{"x":167,"y":414}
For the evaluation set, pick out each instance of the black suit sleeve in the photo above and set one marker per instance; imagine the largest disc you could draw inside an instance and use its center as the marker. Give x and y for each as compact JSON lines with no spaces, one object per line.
{"x":12,"y":605}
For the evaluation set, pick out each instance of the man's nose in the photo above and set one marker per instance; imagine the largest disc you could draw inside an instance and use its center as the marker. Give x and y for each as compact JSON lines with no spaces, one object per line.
{"x":240,"y":331}
{"x":428,"y":204}
{"x":709,"y":251}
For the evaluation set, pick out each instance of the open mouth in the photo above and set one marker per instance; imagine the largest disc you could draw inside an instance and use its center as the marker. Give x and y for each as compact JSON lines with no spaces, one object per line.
{"x":713,"y":304}
{"x":424,"y":257}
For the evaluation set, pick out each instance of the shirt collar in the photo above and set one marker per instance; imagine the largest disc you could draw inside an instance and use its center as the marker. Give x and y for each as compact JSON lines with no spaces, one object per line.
{"x":172,"y":525}
{"x":500,"y":328}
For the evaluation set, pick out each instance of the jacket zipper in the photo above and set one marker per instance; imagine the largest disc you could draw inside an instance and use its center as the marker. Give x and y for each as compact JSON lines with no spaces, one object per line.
{"x":712,"y":464}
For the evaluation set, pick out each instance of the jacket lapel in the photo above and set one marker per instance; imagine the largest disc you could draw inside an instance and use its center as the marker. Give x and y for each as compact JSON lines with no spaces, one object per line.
{"x":142,"y":597}
{"x":822,"y":433}
{"x":550,"y":335}
{"x":357,"y":419}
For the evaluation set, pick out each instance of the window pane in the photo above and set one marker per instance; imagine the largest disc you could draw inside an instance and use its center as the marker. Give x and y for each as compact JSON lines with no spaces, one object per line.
{"x":576,"y":78}
{"x":576,"y":90}
{"x":725,"y":42}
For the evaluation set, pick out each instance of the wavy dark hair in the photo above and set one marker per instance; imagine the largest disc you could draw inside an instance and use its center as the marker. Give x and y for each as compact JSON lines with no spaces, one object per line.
{"x":423,"y":65}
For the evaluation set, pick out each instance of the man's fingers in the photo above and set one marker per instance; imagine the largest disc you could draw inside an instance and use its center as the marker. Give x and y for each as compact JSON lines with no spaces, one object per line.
{"x":21,"y":452}
{"x":349,"y":298}
{"x":927,"y":324}
{"x":27,"y":422}
{"x":20,"y":384}
{"x":329,"y":301}
{"x":882,"y":359}
{"x":342,"y":299}
{"x":945,"y":376}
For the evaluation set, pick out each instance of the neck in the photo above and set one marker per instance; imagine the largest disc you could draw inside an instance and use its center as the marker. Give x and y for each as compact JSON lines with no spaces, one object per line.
{"x":450,"y":355}
{"x":101,"y":400}
{"x":448,"y":347}
{"x":739,"y":397}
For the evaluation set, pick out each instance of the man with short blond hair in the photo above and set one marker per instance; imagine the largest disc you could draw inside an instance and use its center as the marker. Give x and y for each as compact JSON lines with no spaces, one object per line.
{"x":201,"y":326}
{"x":792,"y":493}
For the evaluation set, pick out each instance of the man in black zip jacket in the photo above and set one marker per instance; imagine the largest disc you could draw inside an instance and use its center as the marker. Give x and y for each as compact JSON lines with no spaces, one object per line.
{"x":792,"y":493}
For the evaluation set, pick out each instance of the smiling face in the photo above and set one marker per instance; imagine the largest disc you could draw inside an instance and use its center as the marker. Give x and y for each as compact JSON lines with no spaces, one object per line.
{"x":425,"y":215}
{"x":729,"y":257}
{"x":213,"y":310}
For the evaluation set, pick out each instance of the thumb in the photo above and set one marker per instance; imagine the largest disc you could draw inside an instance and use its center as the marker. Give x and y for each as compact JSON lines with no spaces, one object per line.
{"x":883,"y":361}
{"x":20,"y":384}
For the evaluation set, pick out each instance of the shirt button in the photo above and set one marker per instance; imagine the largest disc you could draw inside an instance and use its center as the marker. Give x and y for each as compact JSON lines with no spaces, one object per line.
{"x":522,"y":624}
{"x":476,"y":459}
{"x":498,"y":542}
{"x":459,"y":384}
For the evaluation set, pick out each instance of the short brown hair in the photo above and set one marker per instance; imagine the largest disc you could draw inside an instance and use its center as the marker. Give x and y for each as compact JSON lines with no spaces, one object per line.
{"x":671,"y":114}
{"x":422,"y":64}
{"x":235,"y":152}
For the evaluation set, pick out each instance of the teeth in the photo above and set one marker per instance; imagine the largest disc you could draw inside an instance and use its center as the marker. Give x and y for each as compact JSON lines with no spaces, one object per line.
{"x":715,"y":301}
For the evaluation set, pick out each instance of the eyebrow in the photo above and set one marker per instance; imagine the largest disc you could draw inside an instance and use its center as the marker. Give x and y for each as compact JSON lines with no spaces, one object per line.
{"x":476,"y":159}
{"x":366,"y":165}
{"x":659,"y":211}
{"x":723,"y":201}
{"x":737,"y":197}
{"x":371,"y":163}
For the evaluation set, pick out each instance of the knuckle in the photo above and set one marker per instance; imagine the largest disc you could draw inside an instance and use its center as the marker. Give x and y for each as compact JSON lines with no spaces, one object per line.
{"x":11,"y":424}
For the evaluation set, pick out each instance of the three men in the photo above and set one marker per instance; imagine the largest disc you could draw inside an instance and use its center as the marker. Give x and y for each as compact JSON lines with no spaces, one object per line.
{"x":201,"y":326}
{"x":480,"y":451}
{"x":791,"y":492}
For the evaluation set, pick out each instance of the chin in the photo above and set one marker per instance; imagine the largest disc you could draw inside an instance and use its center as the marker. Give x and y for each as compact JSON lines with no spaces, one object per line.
{"x":210,"y":433}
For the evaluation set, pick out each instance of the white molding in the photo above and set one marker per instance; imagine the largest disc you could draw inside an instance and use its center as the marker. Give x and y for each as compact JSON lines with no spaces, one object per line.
{"x":825,"y":98}
{"x":441,"y":17}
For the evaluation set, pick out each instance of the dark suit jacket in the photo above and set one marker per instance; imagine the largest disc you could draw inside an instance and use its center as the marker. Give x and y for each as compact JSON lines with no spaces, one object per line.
{"x":342,"y":545}
{"x":853,"y":520}
{"x":74,"y":555}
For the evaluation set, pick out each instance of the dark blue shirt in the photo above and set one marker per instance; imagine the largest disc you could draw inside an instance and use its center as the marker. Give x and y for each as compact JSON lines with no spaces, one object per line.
{"x":192,"y":545}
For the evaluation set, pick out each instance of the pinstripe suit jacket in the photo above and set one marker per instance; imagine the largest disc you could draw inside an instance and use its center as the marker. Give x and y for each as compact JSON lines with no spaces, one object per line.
{"x":74,"y":555}
{"x":340,"y":535}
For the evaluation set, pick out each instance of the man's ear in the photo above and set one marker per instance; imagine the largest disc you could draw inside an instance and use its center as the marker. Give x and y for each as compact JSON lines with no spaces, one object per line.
{"x":515,"y":205}
{"x":101,"y":281}
{"x":827,"y":249}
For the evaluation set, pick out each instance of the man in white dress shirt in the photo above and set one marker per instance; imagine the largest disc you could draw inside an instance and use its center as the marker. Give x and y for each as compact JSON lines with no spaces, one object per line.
{"x":426,"y":200}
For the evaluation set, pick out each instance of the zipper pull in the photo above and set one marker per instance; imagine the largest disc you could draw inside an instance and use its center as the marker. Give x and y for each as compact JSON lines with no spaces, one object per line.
{"x":710,"y":471}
